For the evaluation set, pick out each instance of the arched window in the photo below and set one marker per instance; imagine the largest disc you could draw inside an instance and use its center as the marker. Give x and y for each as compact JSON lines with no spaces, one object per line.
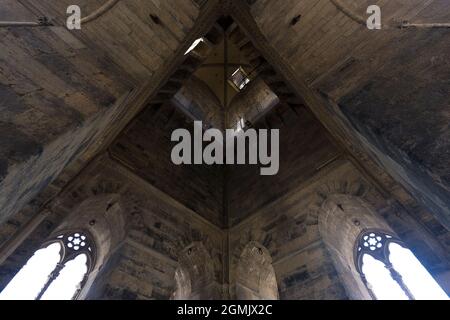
{"x":391,"y":271}
{"x":57,"y":271}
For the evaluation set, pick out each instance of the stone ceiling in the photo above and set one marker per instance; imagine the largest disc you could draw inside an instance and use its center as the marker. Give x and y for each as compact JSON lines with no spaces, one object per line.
{"x":382,"y":95}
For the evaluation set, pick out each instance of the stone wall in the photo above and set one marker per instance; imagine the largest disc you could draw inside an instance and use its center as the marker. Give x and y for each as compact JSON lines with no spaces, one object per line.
{"x":304,"y":147}
{"x":256,"y":278}
{"x":145,"y":148}
{"x":391,"y":84}
{"x":198,"y":102}
{"x":165,"y":237}
{"x":58,"y":88}
{"x":159,"y":229}
{"x":251,"y":104}
{"x":304,"y":264}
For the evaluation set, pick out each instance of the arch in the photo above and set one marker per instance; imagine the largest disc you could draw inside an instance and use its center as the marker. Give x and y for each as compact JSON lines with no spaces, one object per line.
{"x":102,"y":220}
{"x":343,"y":210}
{"x":56,"y":271}
{"x":256,"y":279}
{"x":194,"y":277}
{"x":352,"y":188}
{"x":86,"y":238}
{"x":342,"y":218}
{"x":199,"y":102}
{"x":103,"y":217}
{"x":391,"y":271}
{"x":249,"y":104}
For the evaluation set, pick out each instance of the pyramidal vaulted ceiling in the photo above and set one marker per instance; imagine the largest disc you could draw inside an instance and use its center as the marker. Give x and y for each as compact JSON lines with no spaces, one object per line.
{"x":68,"y":96}
{"x":195,"y":92}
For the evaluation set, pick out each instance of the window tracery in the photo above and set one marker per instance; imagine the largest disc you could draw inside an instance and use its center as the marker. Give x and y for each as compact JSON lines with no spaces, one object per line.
{"x":375,"y":248}
{"x":55,"y":277}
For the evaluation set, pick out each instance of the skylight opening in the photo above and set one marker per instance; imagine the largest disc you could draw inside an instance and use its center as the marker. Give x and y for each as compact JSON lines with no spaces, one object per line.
{"x":194,"y":45}
{"x":239,"y":79}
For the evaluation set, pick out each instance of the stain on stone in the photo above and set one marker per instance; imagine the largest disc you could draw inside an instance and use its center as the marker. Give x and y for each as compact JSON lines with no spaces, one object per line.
{"x":267,"y":241}
{"x":36,"y":188}
{"x":405,"y":115}
{"x":3,"y":169}
{"x":14,"y":223}
{"x":81,"y":148}
{"x":75,"y":116}
{"x":296,"y":278}
{"x":275,"y":223}
{"x":15,"y":146}
{"x":128,"y":295}
{"x":10,"y":102}
{"x":28,"y":36}
{"x":67,"y":72}
{"x":159,"y":296}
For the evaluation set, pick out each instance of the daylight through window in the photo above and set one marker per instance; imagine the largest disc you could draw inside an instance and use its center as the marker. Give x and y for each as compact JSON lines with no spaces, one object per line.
{"x":239,"y":79}
{"x":392,"y":272}
{"x":55,"y":272}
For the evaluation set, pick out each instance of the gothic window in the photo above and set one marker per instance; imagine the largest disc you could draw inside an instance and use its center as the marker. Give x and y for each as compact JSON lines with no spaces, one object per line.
{"x":57,"y":271}
{"x":391,"y":271}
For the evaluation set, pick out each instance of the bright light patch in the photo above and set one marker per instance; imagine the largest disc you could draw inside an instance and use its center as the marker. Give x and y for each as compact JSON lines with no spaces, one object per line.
{"x":240,"y":125}
{"x":194,"y":45}
{"x":382,"y":284}
{"x":414,"y":275}
{"x":30,"y":280}
{"x":69,"y":280}
{"x":239,"y":78}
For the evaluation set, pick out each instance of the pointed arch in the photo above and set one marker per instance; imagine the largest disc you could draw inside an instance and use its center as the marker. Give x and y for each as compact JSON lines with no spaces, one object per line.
{"x":194,"y":277}
{"x":57,"y":271}
{"x":85,"y":240}
{"x":104,"y":217}
{"x":256,"y":279}
{"x":341,"y":219}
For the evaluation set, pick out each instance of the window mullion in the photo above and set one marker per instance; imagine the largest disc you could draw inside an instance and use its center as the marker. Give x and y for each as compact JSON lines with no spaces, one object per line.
{"x":398,"y":278}
{"x":55,"y":273}
{"x":368,"y":286}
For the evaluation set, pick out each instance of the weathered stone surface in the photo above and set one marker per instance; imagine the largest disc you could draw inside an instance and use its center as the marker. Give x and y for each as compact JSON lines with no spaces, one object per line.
{"x":146,"y":148}
{"x":199,"y":232}
{"x":56,"y":84}
{"x":392,"y":84}
{"x":304,"y":147}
